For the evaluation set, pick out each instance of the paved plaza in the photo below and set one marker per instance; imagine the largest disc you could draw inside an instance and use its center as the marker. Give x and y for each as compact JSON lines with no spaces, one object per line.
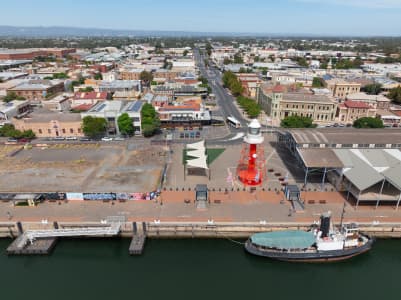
{"x":280,"y":164}
{"x":223,"y":207}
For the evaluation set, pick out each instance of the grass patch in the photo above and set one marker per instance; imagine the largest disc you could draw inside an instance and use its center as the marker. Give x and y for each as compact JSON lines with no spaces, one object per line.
{"x":213,"y":154}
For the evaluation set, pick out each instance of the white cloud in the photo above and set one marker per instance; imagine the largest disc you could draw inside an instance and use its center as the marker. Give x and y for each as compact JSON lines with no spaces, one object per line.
{"x":360,"y":3}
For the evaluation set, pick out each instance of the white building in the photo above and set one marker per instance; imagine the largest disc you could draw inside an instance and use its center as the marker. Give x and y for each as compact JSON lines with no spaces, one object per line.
{"x":111,"y":110}
{"x":13,"y":109}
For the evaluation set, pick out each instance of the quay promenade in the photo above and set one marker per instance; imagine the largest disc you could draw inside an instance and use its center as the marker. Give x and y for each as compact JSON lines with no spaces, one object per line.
{"x":240,"y":213}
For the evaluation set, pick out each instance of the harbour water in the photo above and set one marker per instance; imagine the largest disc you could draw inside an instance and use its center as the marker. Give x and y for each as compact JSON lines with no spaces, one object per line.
{"x":193,"y":269}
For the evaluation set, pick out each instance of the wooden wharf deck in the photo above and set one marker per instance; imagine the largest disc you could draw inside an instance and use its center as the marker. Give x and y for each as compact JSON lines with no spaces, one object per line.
{"x":138,"y":239}
{"x":43,"y":246}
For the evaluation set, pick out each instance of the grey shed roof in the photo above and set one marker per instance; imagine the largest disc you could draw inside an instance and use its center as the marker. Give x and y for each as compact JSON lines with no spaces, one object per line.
{"x":393,"y":175}
{"x":320,"y":158}
{"x":362,"y":175}
{"x":346,"y":136}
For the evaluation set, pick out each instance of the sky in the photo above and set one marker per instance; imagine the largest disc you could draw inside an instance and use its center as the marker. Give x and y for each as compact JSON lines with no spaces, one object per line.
{"x":323,"y":17}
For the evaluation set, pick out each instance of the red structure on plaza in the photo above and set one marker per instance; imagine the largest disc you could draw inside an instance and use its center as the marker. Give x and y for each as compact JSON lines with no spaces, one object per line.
{"x":251,"y":167}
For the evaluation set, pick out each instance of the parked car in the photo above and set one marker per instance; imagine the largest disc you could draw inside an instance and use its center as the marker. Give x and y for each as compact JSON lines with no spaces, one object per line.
{"x":119,"y":138}
{"x":12,"y":140}
{"x":24,"y":140}
{"x":59,"y":138}
{"x":197,"y":135}
{"x":71,"y":138}
{"x":107,"y":139}
{"x":181,"y":135}
{"x":84,"y":139}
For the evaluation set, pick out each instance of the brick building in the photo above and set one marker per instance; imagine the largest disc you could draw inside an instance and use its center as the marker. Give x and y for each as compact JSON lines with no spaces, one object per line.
{"x":51,"y":124}
{"x":349,"y":111}
{"x":38,"y":89}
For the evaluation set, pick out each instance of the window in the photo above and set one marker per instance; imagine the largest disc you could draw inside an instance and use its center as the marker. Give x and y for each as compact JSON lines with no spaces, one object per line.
{"x":40,"y":131}
{"x":63,"y":130}
{"x":71,"y":130}
{"x":79,"y":130}
{"x":49,"y":131}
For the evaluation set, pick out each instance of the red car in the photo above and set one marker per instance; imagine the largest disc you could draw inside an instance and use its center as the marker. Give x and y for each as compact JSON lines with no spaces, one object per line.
{"x":24,"y":140}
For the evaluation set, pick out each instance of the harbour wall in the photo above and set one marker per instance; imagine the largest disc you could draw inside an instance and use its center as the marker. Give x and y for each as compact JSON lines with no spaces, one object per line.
{"x":177,"y":230}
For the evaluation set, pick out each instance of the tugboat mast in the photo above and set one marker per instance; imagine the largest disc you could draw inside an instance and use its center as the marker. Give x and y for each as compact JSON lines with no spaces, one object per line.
{"x":342,"y":217}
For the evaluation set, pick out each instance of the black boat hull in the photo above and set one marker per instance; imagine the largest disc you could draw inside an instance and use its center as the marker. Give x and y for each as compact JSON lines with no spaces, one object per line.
{"x":310,"y":256}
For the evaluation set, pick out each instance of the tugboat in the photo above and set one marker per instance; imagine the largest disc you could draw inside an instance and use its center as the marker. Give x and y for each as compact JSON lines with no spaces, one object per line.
{"x":319,"y":245}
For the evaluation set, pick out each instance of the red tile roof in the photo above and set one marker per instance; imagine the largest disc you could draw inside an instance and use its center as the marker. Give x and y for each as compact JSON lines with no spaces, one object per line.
{"x":278,"y":89}
{"x":397,"y":112}
{"x":91,"y":95}
{"x":190,"y":106}
{"x":356,"y":104}
{"x":83,"y":107}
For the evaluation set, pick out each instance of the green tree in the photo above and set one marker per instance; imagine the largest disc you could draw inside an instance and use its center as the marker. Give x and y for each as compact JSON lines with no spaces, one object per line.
{"x":94,"y":127}
{"x":301,"y":61}
{"x":87,"y":89}
{"x":185,"y":53}
{"x":297,"y":122}
{"x":98,"y":76}
{"x":28,"y":134}
{"x":238,"y":59}
{"x":203,"y":80}
{"x":227,"y":78}
{"x":12,"y":96}
{"x":227,"y":61}
{"x":231,"y":81}
{"x":236,"y":87}
{"x":8,"y":130}
{"x":395,"y":94}
{"x":251,"y":107}
{"x":125,"y":125}
{"x":368,"y":122}
{"x":150,"y":120}
{"x":146,"y":77}
{"x":372,"y":89}
{"x":60,"y":76}
{"x":209,"y":49}
{"x":318,"y":82}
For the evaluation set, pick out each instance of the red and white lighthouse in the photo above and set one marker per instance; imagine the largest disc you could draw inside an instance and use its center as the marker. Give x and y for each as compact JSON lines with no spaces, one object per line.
{"x":251,"y":168}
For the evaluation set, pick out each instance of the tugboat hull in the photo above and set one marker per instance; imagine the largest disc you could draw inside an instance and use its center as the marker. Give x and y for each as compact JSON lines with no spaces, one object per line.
{"x":309,"y":256}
